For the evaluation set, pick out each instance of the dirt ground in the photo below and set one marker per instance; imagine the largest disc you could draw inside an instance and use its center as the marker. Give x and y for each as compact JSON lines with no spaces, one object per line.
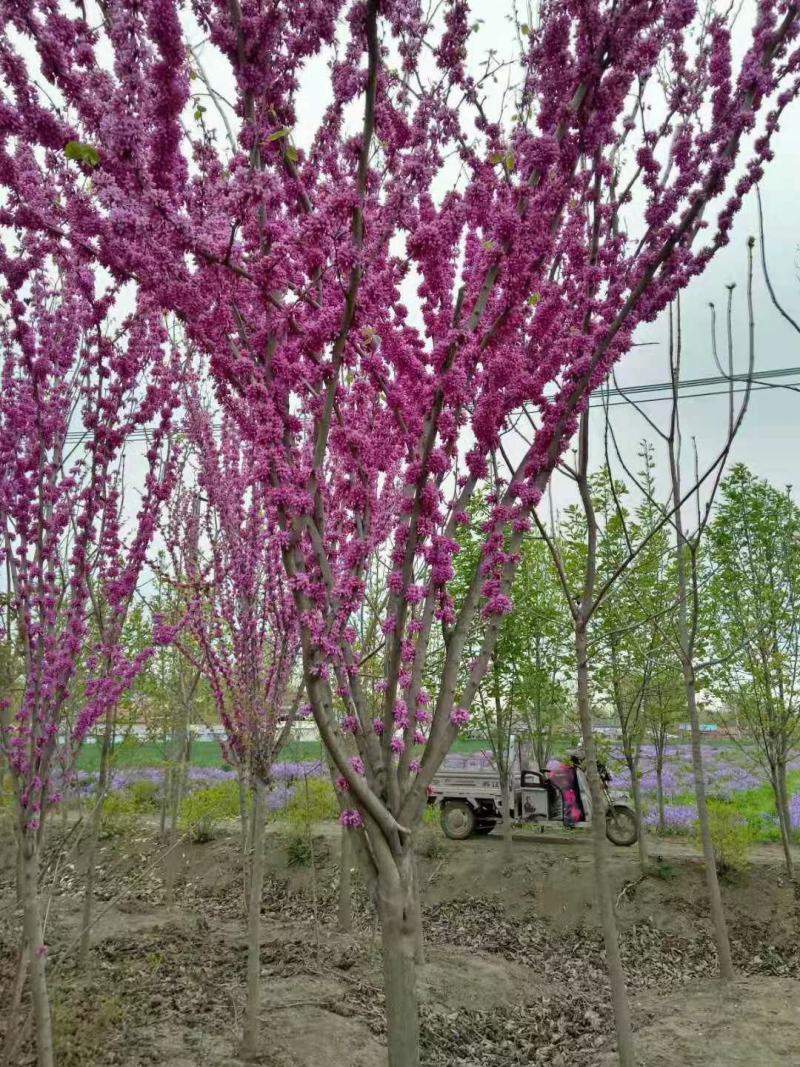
{"x":514,"y":972}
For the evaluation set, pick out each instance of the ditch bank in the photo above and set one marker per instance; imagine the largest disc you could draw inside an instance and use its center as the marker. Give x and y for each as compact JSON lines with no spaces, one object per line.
{"x":514,"y":971}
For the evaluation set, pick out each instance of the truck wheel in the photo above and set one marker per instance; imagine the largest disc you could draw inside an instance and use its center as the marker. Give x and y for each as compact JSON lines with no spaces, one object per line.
{"x":621,"y":826}
{"x":458,"y":819}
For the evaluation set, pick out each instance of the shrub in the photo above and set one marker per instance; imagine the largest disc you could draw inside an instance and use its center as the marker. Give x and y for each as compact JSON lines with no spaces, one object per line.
{"x":119,"y":812}
{"x":731,"y":837}
{"x":145,"y":794}
{"x":298,"y":850}
{"x":203,"y":810}
{"x":431,"y":815}
{"x":665,"y":871}
{"x":313,"y":801}
{"x":431,"y":844}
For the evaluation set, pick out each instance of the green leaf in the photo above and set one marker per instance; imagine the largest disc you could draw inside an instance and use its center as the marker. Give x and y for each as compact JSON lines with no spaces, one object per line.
{"x":490,"y":245}
{"x":276,"y":135}
{"x":534,"y":299}
{"x":199,"y":111}
{"x":80,"y":152}
{"x":291,"y":153}
{"x":525,"y":28}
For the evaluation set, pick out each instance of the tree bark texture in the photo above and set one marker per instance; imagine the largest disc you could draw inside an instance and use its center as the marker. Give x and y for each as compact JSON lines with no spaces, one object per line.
{"x":250,"y":1037}
{"x":616,"y":974}
{"x":32,"y":924}
{"x":710,"y":861}
{"x":95,"y":823}
{"x":345,"y":920}
{"x":396,"y":912}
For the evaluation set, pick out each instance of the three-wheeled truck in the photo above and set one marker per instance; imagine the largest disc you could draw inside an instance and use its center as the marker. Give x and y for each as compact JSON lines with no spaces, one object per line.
{"x":471,"y":801}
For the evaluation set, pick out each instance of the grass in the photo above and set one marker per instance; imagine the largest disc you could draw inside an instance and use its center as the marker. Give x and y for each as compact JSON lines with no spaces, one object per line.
{"x":209,"y":753}
{"x":752,"y":805}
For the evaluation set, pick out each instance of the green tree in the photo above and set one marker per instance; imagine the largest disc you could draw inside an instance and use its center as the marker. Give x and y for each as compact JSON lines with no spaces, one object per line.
{"x":754,"y":624}
{"x":524,"y":690}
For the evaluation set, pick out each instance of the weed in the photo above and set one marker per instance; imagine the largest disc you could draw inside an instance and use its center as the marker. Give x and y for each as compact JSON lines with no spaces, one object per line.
{"x":731,"y":837}
{"x":204,"y":810}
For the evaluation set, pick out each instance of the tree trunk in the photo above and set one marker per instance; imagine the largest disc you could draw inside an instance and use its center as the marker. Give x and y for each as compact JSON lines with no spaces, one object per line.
{"x":710,"y":862}
{"x":95,"y":822}
{"x":244,"y":835}
{"x":616,"y":974}
{"x":508,"y":843}
{"x":662,"y":821}
{"x":784,"y":821}
{"x":250,"y":1038}
{"x":396,"y":912}
{"x":419,"y":936}
{"x":636,"y":789}
{"x":345,"y":903}
{"x":178,"y":778}
{"x":32,"y":923}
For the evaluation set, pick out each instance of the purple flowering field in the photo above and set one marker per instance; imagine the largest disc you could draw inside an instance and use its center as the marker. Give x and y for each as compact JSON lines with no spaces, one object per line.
{"x":729,"y":777}
{"x":285,"y":775}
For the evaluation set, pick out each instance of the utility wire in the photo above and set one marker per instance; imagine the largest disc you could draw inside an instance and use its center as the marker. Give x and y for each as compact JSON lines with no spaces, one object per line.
{"x":602,"y":392}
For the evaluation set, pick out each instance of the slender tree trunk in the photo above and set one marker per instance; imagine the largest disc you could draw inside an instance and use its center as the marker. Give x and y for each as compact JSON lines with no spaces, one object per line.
{"x":32,"y":925}
{"x":180,"y":767}
{"x":166,"y":794}
{"x":419,"y":935}
{"x":396,"y":912}
{"x":508,"y":843}
{"x":709,"y":859}
{"x":662,"y":821}
{"x":636,"y":789}
{"x":616,"y":974}
{"x":95,"y":822}
{"x":345,"y":900}
{"x":244,"y":834}
{"x":250,"y":1039}
{"x":784,"y":821}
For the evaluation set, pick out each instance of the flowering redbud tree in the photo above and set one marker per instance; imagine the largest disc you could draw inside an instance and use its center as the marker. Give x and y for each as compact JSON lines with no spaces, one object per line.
{"x":378,"y":297}
{"x":242,"y":616}
{"x":73,"y":393}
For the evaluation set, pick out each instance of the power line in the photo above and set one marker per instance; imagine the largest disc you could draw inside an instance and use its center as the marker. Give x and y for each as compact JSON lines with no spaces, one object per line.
{"x":598,"y":398}
{"x":696,"y":383}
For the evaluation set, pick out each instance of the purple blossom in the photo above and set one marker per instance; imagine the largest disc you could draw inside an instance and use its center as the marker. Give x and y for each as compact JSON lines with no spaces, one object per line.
{"x":459,"y":717}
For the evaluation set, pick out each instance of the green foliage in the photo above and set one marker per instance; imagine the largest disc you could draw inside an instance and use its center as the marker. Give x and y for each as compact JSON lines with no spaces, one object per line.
{"x":122,"y":807}
{"x":119,"y":813}
{"x":731,"y":837}
{"x":145,"y":795}
{"x":79,"y":152}
{"x":299,"y":850}
{"x":665,"y":871}
{"x":314,"y":801}
{"x":752,"y":613}
{"x":525,"y":690}
{"x":203,"y":811}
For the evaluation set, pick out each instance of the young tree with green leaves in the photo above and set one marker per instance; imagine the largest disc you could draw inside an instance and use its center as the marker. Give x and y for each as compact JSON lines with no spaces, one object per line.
{"x":524,"y":690}
{"x":664,"y":707}
{"x":754,"y":623}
